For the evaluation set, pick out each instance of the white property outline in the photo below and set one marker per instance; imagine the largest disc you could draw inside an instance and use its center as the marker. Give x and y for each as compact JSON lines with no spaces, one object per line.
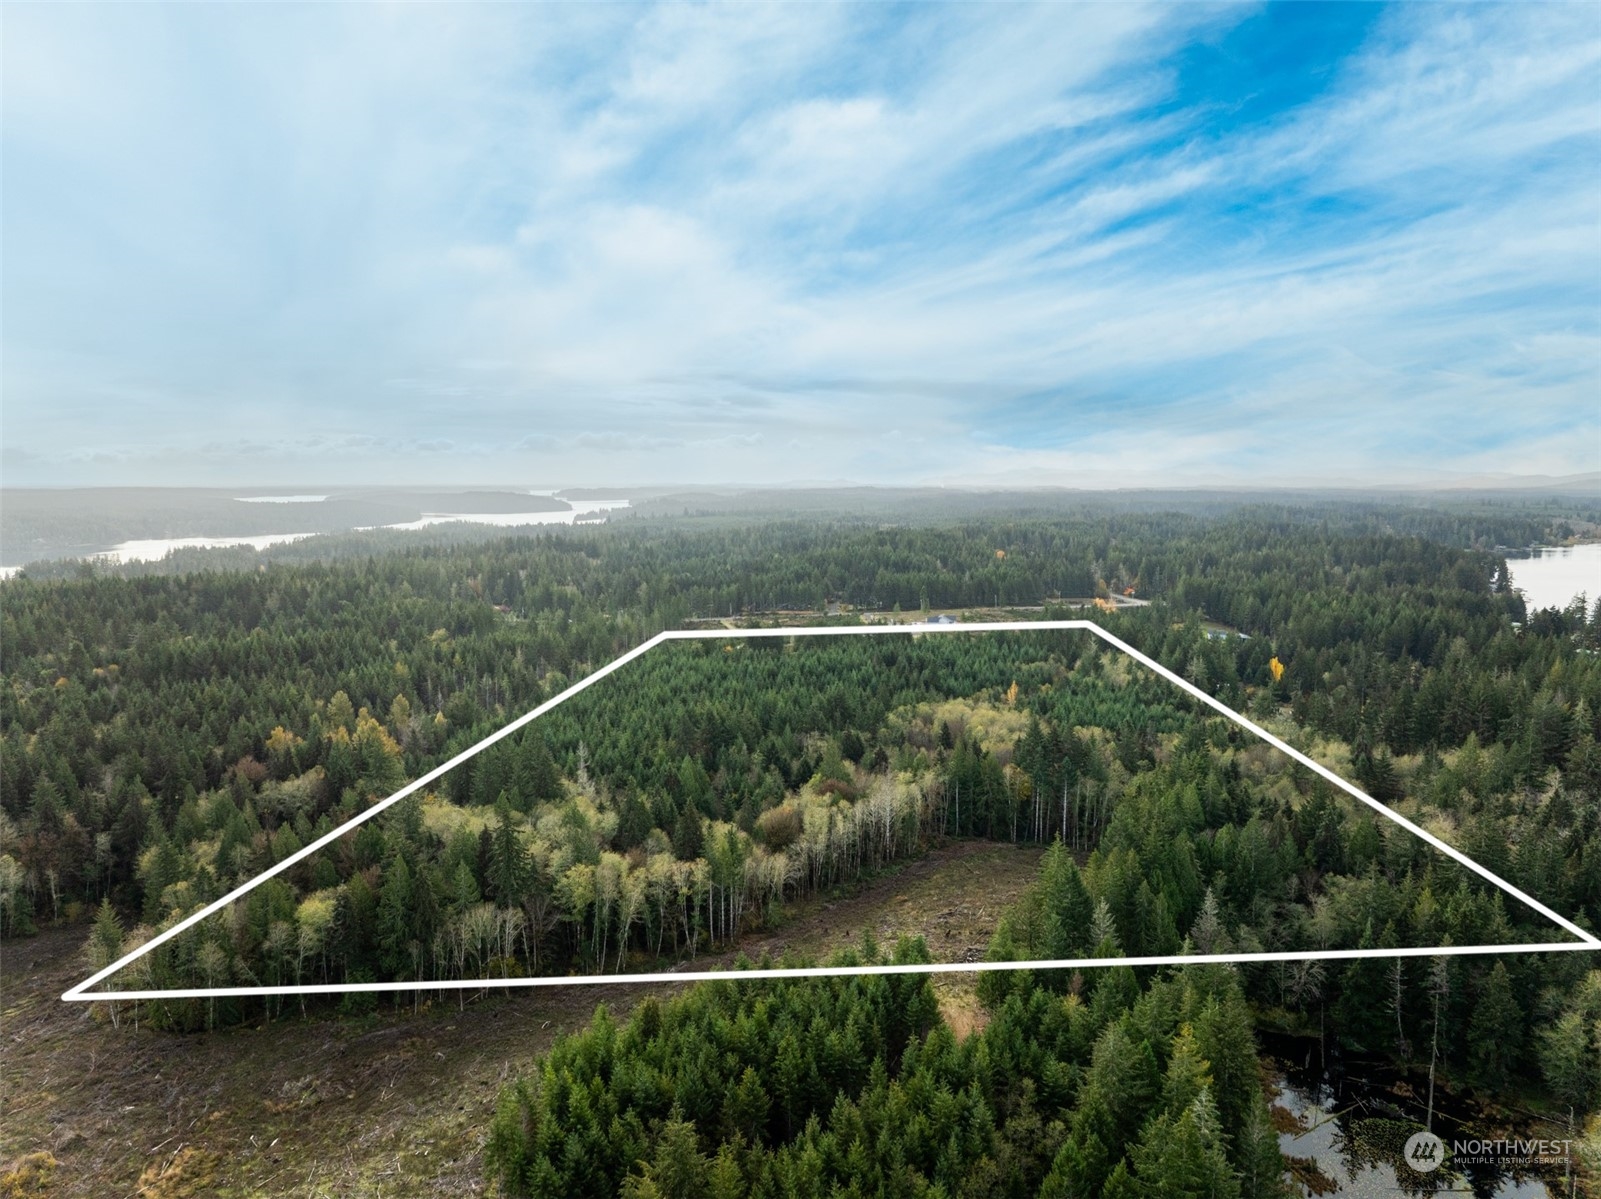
{"x":1586,"y":940}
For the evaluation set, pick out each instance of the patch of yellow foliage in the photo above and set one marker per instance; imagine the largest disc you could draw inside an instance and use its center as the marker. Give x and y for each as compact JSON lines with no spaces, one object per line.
{"x":443,"y":819}
{"x":28,"y":1176}
{"x":994,"y":727}
{"x":281,"y":740}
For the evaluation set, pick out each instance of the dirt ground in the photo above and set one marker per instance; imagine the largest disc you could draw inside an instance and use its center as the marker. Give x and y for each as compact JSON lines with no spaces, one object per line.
{"x":392,"y":1104}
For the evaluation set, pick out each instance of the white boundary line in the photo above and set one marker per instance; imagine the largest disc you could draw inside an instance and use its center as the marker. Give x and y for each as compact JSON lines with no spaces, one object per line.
{"x":78,"y":993}
{"x":735,"y":974}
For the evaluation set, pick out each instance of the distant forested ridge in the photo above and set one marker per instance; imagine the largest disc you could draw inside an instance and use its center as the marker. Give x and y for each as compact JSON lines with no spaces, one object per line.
{"x":38,"y":525}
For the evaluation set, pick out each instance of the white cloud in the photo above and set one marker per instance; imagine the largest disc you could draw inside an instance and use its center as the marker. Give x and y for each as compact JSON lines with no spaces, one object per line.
{"x":679,"y":239}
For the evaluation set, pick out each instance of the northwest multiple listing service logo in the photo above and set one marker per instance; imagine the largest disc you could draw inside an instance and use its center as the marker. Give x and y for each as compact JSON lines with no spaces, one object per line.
{"x":1424,"y":1152}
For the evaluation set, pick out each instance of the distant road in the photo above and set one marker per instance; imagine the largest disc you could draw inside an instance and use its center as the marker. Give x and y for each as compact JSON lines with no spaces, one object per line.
{"x":806,"y":616}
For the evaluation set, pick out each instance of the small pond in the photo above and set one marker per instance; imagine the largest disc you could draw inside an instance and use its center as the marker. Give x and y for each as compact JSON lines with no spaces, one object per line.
{"x":1344,"y":1125}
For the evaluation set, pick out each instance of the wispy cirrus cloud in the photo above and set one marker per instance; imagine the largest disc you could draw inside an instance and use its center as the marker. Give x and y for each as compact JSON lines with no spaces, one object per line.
{"x":1097,"y":244}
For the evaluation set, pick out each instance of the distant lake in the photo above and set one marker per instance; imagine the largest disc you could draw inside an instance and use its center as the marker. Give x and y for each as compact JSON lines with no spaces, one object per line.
{"x":1551,"y":576}
{"x":513,"y":519}
{"x":154,"y":549}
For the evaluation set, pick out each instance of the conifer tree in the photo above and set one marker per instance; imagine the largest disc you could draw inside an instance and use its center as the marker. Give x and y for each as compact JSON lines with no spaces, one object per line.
{"x":1495,"y":1035}
{"x":509,"y":869}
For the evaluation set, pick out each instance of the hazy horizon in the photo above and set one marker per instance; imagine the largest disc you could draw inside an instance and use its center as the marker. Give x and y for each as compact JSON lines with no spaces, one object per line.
{"x":1094,"y":247}
{"x":1577,"y":483}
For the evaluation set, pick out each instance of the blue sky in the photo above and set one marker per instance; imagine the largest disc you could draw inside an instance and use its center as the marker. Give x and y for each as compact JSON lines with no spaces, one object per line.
{"x":1077,"y":245}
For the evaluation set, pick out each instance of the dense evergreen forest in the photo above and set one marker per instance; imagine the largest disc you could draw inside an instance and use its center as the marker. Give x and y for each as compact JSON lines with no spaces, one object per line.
{"x":165,"y":736}
{"x":856,"y":1087}
{"x":646,"y":852}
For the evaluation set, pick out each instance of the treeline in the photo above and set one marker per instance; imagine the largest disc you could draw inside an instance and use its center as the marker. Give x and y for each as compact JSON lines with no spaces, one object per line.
{"x":855,"y":1086}
{"x":1483,"y":521}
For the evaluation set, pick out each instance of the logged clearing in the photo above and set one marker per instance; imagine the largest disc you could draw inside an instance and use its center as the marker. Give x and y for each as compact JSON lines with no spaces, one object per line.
{"x":391,"y":1104}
